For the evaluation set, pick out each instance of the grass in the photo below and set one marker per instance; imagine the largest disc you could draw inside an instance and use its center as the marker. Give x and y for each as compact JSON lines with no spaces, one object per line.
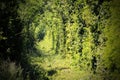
{"x":60,"y":68}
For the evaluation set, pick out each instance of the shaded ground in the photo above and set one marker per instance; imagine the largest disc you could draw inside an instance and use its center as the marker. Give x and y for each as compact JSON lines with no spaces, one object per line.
{"x":60,"y":68}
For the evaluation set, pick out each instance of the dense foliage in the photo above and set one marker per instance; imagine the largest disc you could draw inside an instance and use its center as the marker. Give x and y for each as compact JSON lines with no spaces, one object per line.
{"x":60,"y":40}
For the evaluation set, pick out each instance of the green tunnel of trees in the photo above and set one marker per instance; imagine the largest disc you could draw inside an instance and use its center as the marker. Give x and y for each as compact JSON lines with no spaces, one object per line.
{"x":86,"y":33}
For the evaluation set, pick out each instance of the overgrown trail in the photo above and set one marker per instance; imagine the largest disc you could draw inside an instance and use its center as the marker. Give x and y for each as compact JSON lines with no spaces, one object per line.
{"x":75,"y":39}
{"x":59,"y":67}
{"x":60,"y":40}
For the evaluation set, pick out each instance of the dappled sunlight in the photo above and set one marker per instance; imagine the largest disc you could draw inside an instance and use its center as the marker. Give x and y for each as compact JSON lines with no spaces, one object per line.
{"x":46,"y":44}
{"x":60,"y":40}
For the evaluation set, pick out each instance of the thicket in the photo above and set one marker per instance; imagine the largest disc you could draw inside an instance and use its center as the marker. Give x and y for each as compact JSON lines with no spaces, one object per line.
{"x":85,"y":30}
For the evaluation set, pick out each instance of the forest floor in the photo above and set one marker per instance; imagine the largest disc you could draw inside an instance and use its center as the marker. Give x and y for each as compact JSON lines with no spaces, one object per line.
{"x":59,"y":67}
